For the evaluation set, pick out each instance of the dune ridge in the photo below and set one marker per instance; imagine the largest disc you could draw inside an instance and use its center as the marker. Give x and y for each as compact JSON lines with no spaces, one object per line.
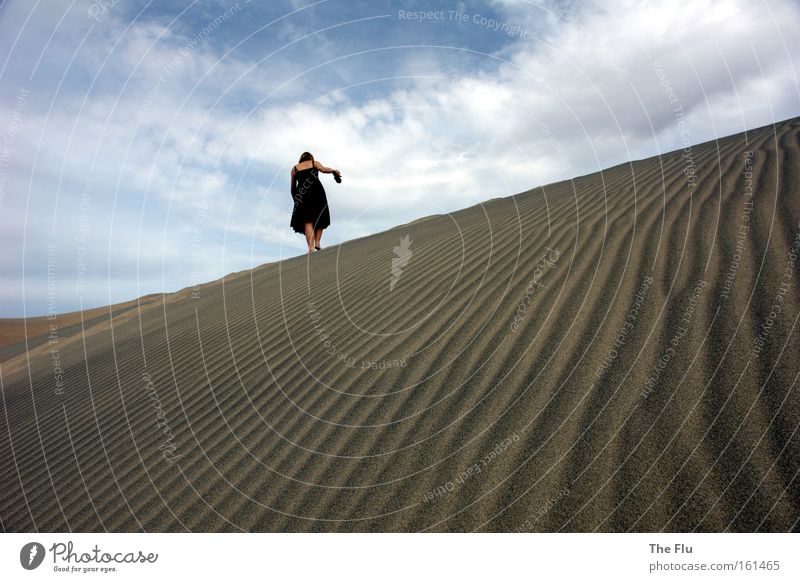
{"x":597,"y":354}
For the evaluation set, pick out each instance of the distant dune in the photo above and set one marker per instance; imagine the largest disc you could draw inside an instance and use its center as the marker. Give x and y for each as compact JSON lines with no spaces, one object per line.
{"x":617,"y":352}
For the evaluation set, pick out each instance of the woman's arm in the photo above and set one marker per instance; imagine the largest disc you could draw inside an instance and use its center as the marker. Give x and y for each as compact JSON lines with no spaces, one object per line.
{"x":324,"y":169}
{"x":291,"y":185}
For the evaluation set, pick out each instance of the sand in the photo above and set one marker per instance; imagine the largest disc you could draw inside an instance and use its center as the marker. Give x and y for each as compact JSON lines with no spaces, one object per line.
{"x":610,"y":353}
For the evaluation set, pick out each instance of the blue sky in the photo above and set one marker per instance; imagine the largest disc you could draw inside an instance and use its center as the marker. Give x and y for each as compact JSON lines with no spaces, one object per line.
{"x":146,"y":146}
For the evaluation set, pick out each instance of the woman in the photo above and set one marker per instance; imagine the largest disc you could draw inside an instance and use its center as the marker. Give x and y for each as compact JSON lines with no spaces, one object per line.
{"x":310,"y":215}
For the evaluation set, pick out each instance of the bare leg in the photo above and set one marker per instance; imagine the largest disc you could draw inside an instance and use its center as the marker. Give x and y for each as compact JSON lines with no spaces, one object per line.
{"x":317,"y":237}
{"x":309,"y":231}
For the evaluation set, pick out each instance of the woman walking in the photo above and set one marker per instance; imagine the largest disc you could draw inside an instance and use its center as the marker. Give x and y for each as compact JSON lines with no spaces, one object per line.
{"x":310,"y":215}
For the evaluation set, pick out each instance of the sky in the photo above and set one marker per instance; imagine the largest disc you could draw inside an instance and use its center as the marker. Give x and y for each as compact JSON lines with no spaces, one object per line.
{"x":146,"y":146}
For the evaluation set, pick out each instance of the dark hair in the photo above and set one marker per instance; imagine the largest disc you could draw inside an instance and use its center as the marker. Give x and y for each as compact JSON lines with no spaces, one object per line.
{"x":305,"y":156}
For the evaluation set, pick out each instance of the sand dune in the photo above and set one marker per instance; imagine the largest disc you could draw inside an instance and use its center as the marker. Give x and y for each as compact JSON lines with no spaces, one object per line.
{"x":610,"y":353}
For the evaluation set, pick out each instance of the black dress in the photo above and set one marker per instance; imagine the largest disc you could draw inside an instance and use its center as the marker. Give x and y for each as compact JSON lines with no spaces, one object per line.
{"x":310,"y":202}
